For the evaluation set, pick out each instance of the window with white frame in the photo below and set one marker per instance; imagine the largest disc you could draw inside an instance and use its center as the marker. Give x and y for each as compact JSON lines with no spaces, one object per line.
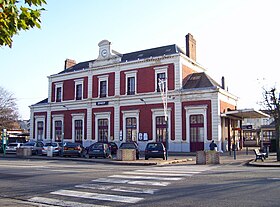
{"x":160,"y":74}
{"x":39,"y":128}
{"x":159,"y":124}
{"x":130,"y":125}
{"x":79,"y":89}
{"x":102,"y":126}
{"x":57,"y":127}
{"x":57,"y":131}
{"x":58,"y":92}
{"x":103,"y":86}
{"x":131,"y":84}
{"x":78,"y":127}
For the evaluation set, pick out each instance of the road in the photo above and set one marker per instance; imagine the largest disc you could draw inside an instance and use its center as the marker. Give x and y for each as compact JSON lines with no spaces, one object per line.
{"x":70,"y":183}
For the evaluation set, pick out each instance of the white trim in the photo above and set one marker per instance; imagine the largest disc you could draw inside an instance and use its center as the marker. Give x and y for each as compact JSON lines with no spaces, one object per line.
{"x":195,"y":110}
{"x":58,"y":85}
{"x":103,"y":78}
{"x":78,"y":82}
{"x":132,"y":114}
{"x":131,"y":74}
{"x":161,"y":69}
{"x":160,"y":112}
{"x":41,"y":118}
{"x":57,"y":117}
{"x":80,"y":116}
{"x":102,"y":115}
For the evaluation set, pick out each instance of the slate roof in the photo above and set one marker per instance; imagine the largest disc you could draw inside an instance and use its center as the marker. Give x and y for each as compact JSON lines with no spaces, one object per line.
{"x":42,"y":102}
{"x":199,"y":80}
{"x":142,"y":54}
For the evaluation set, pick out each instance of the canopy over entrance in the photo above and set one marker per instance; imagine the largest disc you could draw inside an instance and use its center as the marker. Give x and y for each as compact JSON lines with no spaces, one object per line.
{"x":245,"y":113}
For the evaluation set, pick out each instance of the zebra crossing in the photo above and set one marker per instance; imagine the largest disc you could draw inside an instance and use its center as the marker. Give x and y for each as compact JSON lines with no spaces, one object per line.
{"x":127,"y":187}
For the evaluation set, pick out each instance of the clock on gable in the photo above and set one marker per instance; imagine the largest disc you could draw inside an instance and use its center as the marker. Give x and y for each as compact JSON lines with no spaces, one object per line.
{"x":104,"y":49}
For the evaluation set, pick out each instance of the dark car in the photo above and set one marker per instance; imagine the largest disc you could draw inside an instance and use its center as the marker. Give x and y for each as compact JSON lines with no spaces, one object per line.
{"x":131,"y":145}
{"x":72,"y":149}
{"x":155,"y":150}
{"x":35,"y":146}
{"x":98,"y":149}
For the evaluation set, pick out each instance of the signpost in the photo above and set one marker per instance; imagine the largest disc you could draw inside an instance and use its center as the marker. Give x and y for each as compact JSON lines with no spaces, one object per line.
{"x":4,"y":140}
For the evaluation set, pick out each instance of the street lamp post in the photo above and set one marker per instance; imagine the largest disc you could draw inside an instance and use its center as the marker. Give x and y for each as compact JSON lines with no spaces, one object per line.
{"x":163,"y":90}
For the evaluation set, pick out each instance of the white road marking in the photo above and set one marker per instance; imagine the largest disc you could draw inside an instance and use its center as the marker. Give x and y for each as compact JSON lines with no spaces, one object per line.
{"x":57,"y":202}
{"x":97,"y":196}
{"x":121,"y":181}
{"x":169,"y":171}
{"x":158,"y":174}
{"x":118,"y":189}
{"x":143,"y":177}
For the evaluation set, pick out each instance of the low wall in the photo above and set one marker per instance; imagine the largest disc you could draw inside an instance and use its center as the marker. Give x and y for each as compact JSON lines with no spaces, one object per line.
{"x":207,"y":157}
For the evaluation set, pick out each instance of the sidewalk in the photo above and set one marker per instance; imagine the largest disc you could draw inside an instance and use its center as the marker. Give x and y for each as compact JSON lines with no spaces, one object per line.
{"x":242,"y":157}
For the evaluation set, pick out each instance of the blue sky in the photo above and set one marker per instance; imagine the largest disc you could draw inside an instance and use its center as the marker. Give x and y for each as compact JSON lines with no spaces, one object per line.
{"x":238,"y":39}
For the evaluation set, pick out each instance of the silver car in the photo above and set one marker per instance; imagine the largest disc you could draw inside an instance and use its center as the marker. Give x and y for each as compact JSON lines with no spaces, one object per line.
{"x":12,"y":148}
{"x":56,"y":148}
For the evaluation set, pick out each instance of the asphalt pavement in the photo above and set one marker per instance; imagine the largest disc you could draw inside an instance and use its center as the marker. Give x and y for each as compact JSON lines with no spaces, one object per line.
{"x":227,"y":158}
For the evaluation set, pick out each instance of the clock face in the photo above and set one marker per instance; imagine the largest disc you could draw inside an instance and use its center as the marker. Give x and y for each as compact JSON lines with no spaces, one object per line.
{"x":104,"y":53}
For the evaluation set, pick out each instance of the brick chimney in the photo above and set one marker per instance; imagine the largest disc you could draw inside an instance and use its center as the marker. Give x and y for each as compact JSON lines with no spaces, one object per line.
{"x":69,"y":63}
{"x":190,"y":47}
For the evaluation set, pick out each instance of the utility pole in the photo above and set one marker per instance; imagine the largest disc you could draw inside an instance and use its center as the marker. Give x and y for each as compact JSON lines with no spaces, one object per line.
{"x":163,"y":91}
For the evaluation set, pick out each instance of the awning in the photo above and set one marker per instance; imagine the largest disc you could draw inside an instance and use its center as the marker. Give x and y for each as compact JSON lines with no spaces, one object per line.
{"x":245,"y":113}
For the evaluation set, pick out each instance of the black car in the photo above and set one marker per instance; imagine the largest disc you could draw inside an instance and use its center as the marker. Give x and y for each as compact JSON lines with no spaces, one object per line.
{"x":155,"y":150}
{"x":72,"y":149}
{"x":131,"y":145}
{"x":98,"y":149}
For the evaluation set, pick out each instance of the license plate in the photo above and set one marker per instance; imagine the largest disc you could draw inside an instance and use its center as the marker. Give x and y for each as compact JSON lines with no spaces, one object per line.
{"x":155,"y":151}
{"x":70,"y":148}
{"x":96,"y":150}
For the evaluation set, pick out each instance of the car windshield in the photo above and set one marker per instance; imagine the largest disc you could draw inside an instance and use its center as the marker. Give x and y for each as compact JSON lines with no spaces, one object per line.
{"x":13,"y":145}
{"x":97,"y":146}
{"x":70,"y":144}
{"x":127,"y":146}
{"x":29,"y":144}
{"x":50,"y":144}
{"x":154,"y":146}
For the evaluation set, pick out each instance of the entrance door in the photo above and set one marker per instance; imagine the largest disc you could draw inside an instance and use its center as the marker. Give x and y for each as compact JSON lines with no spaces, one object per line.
{"x":196,"y":132}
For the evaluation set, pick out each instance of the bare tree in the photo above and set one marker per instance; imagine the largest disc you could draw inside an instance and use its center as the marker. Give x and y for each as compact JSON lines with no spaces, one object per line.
{"x":271,"y":102}
{"x":8,"y":109}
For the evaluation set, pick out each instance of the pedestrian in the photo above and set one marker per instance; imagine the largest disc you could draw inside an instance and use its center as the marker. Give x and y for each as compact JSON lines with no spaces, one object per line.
{"x":212,"y":145}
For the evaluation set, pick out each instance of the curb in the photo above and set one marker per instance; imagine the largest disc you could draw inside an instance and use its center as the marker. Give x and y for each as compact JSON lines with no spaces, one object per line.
{"x":102,"y":161}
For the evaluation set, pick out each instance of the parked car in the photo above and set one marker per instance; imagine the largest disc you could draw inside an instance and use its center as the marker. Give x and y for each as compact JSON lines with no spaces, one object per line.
{"x":155,"y":150}
{"x":35,"y":146}
{"x":56,"y":148}
{"x":72,"y":149}
{"x":131,"y":145}
{"x":11,"y":148}
{"x":98,"y":149}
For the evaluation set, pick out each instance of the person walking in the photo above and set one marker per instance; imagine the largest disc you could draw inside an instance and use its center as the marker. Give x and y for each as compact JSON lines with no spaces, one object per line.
{"x":212,"y":145}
